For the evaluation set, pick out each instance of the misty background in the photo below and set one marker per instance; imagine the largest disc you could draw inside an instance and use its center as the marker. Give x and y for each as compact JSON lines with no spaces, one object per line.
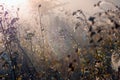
{"x":60,"y":35}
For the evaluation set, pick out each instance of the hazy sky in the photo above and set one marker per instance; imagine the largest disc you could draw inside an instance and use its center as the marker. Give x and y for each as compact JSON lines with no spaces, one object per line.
{"x":85,"y":5}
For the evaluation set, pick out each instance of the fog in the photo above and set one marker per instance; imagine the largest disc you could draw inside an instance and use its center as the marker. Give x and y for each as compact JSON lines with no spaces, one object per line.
{"x":57,"y":20}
